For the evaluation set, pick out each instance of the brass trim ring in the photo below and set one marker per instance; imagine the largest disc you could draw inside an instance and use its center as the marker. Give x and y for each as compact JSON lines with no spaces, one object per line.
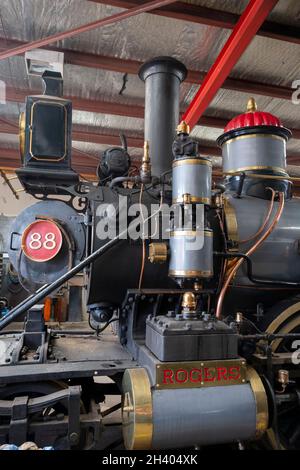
{"x":189,"y":273}
{"x":231,"y":223}
{"x":251,"y":136}
{"x":191,"y":161}
{"x":261,"y":167}
{"x":203,"y":200}
{"x":191,"y":233}
{"x":137,"y":410}
{"x":22,"y":125}
{"x":50,"y":103}
{"x":262,"y":410}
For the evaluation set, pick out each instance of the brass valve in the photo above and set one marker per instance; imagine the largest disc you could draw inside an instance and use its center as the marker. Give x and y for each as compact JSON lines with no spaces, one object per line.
{"x":251,"y":105}
{"x":158,"y":253}
{"x":189,"y":301}
{"x":146,"y":165}
{"x":283,"y":378}
{"x":183,"y":128}
{"x":22,"y":125}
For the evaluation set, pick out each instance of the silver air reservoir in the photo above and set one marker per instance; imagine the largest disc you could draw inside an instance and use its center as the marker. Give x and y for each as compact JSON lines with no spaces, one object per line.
{"x":191,"y":240}
{"x":191,"y":173}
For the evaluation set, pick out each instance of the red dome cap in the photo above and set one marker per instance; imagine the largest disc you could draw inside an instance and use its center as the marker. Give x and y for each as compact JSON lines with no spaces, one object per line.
{"x":252,"y":118}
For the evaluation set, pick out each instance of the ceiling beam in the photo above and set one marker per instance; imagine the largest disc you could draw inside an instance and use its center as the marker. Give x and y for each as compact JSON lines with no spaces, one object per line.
{"x":129,"y":66}
{"x":104,"y":107}
{"x":59,"y":36}
{"x":240,"y":38}
{"x":211,"y":17}
{"x":104,"y":137}
{"x":10,"y":158}
{"x":10,"y":161}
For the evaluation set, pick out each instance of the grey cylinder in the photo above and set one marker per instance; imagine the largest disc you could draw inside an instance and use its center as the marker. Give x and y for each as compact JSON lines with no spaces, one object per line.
{"x":192,"y":176}
{"x":254,"y":152}
{"x":278,"y":257}
{"x":162,"y":77}
{"x":211,"y":415}
{"x":191,"y":254}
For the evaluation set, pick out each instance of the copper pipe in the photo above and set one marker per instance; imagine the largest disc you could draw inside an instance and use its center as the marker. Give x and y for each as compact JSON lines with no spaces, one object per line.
{"x":84,"y":28}
{"x":263,"y":226}
{"x":249,"y":252}
{"x":234,"y":261}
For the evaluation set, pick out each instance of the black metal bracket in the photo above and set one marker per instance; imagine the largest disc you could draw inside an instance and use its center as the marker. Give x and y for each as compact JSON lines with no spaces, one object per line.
{"x":22,"y":422}
{"x":32,"y":344}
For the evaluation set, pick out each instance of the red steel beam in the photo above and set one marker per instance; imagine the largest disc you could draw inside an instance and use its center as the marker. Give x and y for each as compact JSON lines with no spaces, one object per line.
{"x":239,"y":40}
{"x":10,"y":158}
{"x":136,"y":10}
{"x":212,"y":17}
{"x":105,"y":137}
{"x":10,"y":161}
{"x":118,"y":109}
{"x":114,"y":64}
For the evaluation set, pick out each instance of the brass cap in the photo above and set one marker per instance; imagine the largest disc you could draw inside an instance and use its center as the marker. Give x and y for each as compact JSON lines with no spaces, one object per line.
{"x":22,"y":124}
{"x":183,"y":128}
{"x":146,"y":157}
{"x":283,"y":376}
{"x":158,"y":253}
{"x":189,"y":301}
{"x":251,"y":105}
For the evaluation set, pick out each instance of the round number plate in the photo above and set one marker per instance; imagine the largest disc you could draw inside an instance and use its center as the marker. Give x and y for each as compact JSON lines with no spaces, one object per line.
{"x":42,"y":240}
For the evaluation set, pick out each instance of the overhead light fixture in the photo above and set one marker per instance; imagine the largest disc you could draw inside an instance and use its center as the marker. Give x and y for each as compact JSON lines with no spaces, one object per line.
{"x":40,"y":60}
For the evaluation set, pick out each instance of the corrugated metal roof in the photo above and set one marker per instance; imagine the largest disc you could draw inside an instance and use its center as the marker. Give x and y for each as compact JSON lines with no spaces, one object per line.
{"x":141,"y":38}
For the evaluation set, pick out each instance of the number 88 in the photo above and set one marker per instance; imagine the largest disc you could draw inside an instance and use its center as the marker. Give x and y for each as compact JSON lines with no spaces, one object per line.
{"x":36,"y":243}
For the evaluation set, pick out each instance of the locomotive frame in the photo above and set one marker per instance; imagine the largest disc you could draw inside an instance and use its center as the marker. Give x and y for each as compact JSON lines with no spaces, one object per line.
{"x":173,"y":345}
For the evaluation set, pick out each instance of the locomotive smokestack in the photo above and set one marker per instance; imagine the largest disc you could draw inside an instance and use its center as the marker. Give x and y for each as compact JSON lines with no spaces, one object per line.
{"x":162,"y":77}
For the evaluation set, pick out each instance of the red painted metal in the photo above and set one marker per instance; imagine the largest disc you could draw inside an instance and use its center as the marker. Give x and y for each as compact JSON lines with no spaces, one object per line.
{"x":115,"y":64}
{"x":86,"y":27}
{"x":41,"y":240}
{"x":118,"y":109}
{"x":258,"y":118}
{"x":212,"y":17}
{"x":244,"y":31}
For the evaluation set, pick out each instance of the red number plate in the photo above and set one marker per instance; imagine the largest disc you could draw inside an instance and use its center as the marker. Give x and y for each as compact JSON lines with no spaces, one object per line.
{"x":42,"y":240}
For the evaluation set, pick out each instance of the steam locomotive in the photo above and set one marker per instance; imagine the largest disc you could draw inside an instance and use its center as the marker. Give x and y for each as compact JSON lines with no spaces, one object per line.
{"x":203,"y":299}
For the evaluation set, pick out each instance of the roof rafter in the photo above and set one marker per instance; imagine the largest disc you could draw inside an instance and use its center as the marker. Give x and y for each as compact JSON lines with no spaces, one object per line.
{"x":211,"y":17}
{"x":114,"y":64}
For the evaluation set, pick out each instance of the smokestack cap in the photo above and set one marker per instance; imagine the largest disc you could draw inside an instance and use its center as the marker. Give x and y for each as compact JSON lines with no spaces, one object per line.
{"x":163,"y":65}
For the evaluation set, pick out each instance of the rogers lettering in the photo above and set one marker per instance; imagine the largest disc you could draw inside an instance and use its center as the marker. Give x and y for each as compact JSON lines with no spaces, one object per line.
{"x":200,"y":374}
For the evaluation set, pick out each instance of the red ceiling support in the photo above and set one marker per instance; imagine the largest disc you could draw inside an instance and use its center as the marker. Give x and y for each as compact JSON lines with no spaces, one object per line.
{"x":115,"y":64}
{"x":118,"y":109}
{"x":86,"y":27}
{"x":241,"y":36}
{"x":212,"y":17}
